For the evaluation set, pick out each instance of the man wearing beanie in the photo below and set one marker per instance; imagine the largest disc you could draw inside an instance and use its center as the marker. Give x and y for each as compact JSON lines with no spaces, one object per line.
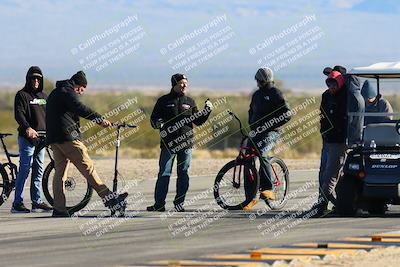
{"x":63,"y":112}
{"x":334,"y":132}
{"x":267,"y":104}
{"x":375,"y":103}
{"x":29,"y":109}
{"x":174,"y":115}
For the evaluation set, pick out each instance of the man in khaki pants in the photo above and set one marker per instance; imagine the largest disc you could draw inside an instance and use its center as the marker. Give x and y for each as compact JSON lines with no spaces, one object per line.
{"x":63,"y":112}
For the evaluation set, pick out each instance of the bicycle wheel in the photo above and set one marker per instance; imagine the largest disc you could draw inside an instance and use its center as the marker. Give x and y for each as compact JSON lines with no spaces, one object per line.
{"x":5,"y":189}
{"x":77,"y":190}
{"x":280,"y":183}
{"x":229,"y":191}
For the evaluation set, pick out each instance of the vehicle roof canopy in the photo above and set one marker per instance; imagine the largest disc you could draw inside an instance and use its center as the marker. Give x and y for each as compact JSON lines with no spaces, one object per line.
{"x":382,"y":70}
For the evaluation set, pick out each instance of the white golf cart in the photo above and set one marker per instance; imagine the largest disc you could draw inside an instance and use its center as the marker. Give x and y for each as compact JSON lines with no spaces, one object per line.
{"x":371,"y":173}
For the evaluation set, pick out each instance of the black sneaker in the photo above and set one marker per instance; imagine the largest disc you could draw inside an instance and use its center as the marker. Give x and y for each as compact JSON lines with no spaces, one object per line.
{"x":319,"y":213}
{"x":118,"y":203}
{"x":42,"y":207}
{"x":179,"y":208}
{"x":20,"y":208}
{"x":156,"y":208}
{"x":60,"y":214}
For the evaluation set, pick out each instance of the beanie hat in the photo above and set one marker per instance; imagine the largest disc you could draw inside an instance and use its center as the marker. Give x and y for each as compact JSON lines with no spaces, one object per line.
{"x":340,"y":69}
{"x":368,"y":91}
{"x":264,"y":75}
{"x":176,"y":78}
{"x":328,"y":70}
{"x":79,"y":78}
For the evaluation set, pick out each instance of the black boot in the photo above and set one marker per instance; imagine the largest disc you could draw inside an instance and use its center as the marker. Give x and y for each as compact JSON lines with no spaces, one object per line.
{"x":156,"y":207}
{"x":117,"y":203}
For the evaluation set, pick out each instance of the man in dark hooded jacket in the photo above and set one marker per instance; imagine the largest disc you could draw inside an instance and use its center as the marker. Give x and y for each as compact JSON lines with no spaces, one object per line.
{"x":29,"y":111}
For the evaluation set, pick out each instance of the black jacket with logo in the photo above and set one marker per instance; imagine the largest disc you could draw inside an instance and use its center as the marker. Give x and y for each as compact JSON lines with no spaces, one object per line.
{"x":63,"y":112}
{"x":179,"y":113}
{"x":30,"y":105}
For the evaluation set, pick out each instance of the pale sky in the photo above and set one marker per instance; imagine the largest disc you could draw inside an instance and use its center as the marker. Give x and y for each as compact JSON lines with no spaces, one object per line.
{"x":44,"y":33}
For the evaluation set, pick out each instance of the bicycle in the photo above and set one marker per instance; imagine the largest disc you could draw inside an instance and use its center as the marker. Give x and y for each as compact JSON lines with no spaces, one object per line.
{"x":229,"y":185}
{"x":78,"y":192}
{"x":9,"y":171}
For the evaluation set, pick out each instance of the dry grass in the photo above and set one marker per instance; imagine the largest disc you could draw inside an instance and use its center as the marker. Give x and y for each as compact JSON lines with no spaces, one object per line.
{"x":153,"y":153}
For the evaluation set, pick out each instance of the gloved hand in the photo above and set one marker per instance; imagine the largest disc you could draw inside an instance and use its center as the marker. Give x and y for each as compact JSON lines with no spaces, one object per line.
{"x":159,"y":124}
{"x":208,"y":104}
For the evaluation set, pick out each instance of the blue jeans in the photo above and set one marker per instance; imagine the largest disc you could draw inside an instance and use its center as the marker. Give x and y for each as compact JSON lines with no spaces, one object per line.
{"x":26,"y":162}
{"x":263,"y":145}
{"x":182,"y":183}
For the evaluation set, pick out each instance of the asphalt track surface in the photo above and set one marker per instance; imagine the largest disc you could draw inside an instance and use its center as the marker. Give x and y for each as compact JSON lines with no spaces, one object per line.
{"x":36,"y":239}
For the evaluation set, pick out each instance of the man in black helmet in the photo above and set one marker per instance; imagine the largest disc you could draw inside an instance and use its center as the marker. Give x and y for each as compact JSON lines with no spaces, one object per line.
{"x":174,"y":115}
{"x":63,"y":112}
{"x":268,"y":111}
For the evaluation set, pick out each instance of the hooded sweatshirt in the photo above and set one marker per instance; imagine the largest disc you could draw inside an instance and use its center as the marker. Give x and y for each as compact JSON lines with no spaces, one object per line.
{"x":30,"y":105}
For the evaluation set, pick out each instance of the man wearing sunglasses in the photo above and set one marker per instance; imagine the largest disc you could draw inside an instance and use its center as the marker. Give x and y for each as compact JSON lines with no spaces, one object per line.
{"x":29,"y":110}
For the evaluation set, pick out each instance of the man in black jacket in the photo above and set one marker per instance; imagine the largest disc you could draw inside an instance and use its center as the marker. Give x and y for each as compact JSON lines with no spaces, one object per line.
{"x":174,"y":114}
{"x":334,"y":133}
{"x":29,"y":109}
{"x":268,"y":111}
{"x":63,"y":112}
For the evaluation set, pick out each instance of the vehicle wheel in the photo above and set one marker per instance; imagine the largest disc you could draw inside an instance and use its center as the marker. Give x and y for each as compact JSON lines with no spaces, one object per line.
{"x":229,"y":190}
{"x":5,"y":188}
{"x":346,"y":196}
{"x":77,"y":190}
{"x":280,"y":183}
{"x":376,"y":207}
